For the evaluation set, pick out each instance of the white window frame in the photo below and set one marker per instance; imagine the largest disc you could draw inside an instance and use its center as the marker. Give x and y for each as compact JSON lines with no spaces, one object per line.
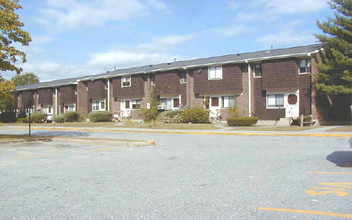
{"x":94,"y":102}
{"x":306,"y":66}
{"x":126,"y":79}
{"x":131,"y":103}
{"x":275,"y":107}
{"x":183,"y":78}
{"x":254,"y":72}
{"x":164,"y":101}
{"x":218,"y":73}
{"x":225,"y":101}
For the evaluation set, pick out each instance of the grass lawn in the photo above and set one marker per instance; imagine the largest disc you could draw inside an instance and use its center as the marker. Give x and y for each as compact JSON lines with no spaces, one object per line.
{"x":126,"y":125}
{"x":70,"y":124}
{"x":21,"y":138}
{"x":341,"y":129}
{"x":281,"y":128}
{"x":169,"y":126}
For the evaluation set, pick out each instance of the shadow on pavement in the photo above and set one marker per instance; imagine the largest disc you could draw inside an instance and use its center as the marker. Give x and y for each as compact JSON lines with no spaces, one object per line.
{"x":63,"y":133}
{"x":341,"y":158}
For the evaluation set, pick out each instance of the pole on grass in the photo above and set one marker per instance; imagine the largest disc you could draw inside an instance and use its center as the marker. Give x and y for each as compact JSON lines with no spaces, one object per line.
{"x":29,"y":123}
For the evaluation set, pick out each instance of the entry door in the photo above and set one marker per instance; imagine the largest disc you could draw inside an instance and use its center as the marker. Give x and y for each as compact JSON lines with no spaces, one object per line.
{"x":215,"y":106}
{"x":292,"y":107}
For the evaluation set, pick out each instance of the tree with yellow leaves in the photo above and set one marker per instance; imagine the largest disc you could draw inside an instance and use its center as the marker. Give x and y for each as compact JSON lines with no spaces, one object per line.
{"x":7,"y":96}
{"x":11,"y":32}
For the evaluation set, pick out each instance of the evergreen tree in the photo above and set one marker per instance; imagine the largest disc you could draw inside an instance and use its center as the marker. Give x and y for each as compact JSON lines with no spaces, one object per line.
{"x":335,"y":77}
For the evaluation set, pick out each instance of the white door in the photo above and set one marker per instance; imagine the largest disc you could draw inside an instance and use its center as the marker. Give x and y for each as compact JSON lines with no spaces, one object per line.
{"x":215,"y":106}
{"x":126,"y":108}
{"x":292,"y":105}
{"x":48,"y":110}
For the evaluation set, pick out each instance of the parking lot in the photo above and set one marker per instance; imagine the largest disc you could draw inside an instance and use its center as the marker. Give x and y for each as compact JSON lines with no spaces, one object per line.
{"x":183,"y":176}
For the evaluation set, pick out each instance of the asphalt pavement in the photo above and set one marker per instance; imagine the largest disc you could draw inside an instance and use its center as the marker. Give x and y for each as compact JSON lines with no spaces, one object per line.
{"x":183,"y":176}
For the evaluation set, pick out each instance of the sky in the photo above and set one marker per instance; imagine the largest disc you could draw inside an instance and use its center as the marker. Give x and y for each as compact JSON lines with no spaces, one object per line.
{"x":73,"y":38}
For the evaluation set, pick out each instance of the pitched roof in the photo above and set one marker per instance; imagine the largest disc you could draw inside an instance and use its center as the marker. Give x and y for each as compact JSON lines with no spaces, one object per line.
{"x":186,"y":64}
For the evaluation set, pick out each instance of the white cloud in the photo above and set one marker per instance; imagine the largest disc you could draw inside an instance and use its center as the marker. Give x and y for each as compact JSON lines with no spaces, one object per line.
{"x":294,"y":7}
{"x":286,"y":37}
{"x":232,"y":30}
{"x":166,"y":43}
{"x":75,"y":14}
{"x":41,"y":39}
{"x":159,"y":50}
{"x":158,"y":5}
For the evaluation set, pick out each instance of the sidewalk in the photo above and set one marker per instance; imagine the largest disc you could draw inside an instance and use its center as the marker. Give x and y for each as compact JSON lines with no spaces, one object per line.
{"x":318,"y":132}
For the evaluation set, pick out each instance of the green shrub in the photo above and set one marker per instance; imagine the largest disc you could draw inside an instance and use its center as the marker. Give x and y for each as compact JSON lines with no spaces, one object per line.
{"x":100,"y":116}
{"x":152,"y":113}
{"x":22,"y":120}
{"x":170,"y":116}
{"x":59,"y":119}
{"x":242,"y":121}
{"x":195,"y":115}
{"x":37,"y":117}
{"x":71,"y":116}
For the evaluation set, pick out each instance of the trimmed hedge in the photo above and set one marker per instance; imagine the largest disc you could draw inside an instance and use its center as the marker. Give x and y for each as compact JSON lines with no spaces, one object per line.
{"x":195,"y":115}
{"x":242,"y":121}
{"x":100,"y":116}
{"x":37,"y":117}
{"x":59,"y":119}
{"x":71,"y":116}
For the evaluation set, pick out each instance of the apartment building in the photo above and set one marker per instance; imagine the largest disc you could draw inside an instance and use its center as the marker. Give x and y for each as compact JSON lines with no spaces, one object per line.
{"x":270,"y":84}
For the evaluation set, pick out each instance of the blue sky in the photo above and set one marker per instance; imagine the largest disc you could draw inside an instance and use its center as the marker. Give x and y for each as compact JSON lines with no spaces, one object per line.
{"x":81,"y":37}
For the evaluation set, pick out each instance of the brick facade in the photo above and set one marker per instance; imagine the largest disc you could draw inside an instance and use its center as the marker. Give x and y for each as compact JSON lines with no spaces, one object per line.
{"x":278,"y":75}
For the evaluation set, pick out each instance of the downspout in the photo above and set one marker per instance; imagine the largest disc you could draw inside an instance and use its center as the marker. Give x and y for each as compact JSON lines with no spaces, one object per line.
{"x":249,"y":91}
{"x":56,"y":103}
{"x":108,"y":105}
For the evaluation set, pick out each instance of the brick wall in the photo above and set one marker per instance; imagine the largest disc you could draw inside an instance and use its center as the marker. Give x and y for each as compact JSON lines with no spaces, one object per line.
{"x":242,"y":100}
{"x":192,"y":99}
{"x":82,"y":98}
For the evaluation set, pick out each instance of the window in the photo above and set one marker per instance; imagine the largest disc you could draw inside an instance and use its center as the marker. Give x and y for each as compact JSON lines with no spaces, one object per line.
{"x":257,"y":70}
{"x":274,"y":100}
{"x":95,"y":106}
{"x":98,"y":105}
{"x":292,"y":99}
{"x":227,"y":101}
{"x":126,"y":81}
{"x":176,"y":103}
{"x":136,"y":104}
{"x":183,"y":78}
{"x":215,"y":73}
{"x":152,"y":79}
{"x":127,"y":104}
{"x":305,"y":66}
{"x":214,"y":101}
